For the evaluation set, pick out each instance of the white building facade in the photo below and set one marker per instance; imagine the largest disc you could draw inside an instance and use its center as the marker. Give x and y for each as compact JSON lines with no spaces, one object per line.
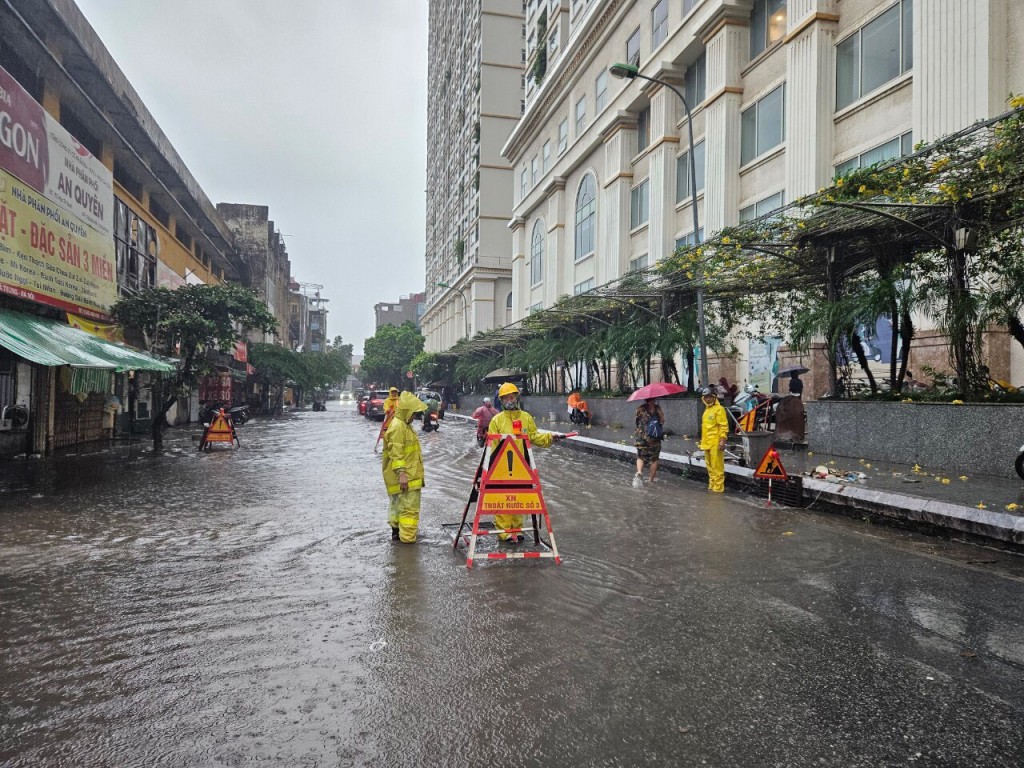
{"x":782,"y":95}
{"x":476,"y":57}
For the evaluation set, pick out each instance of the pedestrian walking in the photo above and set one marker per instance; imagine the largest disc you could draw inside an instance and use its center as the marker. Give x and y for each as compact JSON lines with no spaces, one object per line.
{"x":796,"y":386}
{"x":714,"y":432}
{"x":650,"y":431}
{"x":505,"y":424}
{"x":402,"y":467}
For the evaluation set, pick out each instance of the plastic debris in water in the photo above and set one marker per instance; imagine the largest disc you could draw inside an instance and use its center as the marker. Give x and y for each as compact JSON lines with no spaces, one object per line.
{"x":378,"y":645}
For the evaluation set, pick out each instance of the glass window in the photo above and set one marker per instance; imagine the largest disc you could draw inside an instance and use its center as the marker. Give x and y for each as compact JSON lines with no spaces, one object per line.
{"x":537,"y":253}
{"x":522,"y":184}
{"x":683,"y":172}
{"x":536,"y":307}
{"x":581,"y":115}
{"x":688,"y":5}
{"x":767,"y":25}
{"x":640,"y":262}
{"x":889,"y":150}
{"x":553,"y":40}
{"x":601,"y":92}
{"x":546,"y":164}
{"x":586,"y":213}
{"x":586,"y":285}
{"x":695,"y":82}
{"x":761,"y":207}
{"x":639,"y":204}
{"x":534,"y":171}
{"x":877,"y":53}
{"x":763,"y":125}
{"x":563,"y":136}
{"x":633,"y":48}
{"x":643,"y":122}
{"x":659,"y":23}
{"x":687,"y":241}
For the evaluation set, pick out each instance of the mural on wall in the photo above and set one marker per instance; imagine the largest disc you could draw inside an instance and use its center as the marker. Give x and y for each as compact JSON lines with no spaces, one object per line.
{"x":764,"y":363}
{"x":875,"y":342}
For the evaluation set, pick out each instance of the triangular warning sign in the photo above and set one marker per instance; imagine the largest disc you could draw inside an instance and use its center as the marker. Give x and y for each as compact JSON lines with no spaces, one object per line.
{"x":508,"y":465}
{"x":771,"y":467}
{"x":221,"y":430}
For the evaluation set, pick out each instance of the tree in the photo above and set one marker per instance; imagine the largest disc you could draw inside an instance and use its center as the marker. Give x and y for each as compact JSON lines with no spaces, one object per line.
{"x":184,"y":323}
{"x":279,"y":367}
{"x":388,"y":354}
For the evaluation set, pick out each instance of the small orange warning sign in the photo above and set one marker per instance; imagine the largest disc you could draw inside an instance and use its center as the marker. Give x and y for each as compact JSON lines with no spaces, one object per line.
{"x":508,"y":465}
{"x":771,"y":467}
{"x":221,"y":430}
{"x":511,"y":503}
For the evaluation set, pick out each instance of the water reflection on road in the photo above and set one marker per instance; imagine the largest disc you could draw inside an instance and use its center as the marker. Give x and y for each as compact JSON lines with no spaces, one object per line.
{"x":247,"y":607}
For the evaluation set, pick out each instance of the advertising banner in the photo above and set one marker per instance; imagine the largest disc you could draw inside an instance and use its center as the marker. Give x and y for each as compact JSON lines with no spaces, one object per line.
{"x":764,"y":363}
{"x":50,"y":257}
{"x":39,"y":151}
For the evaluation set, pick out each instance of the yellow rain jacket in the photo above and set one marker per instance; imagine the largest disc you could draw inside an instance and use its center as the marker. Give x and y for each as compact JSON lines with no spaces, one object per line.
{"x":502,"y":425}
{"x":390,"y":404}
{"x":714,"y":426}
{"x":402,"y":447}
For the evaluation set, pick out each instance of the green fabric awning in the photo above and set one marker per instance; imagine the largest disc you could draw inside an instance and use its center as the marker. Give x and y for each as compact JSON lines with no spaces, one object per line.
{"x":48,"y":342}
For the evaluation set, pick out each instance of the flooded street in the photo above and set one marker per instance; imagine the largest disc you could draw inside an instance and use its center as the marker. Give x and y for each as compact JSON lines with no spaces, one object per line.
{"x":248,"y":608}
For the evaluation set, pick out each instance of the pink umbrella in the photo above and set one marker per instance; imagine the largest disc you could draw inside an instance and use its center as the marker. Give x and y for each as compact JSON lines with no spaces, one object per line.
{"x":658,"y":389}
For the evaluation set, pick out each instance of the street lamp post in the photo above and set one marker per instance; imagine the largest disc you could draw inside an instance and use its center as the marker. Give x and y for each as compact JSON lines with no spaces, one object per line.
{"x":465,"y":304}
{"x":630,"y":72}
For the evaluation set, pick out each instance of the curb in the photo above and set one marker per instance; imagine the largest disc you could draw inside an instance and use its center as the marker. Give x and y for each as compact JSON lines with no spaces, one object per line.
{"x":939,"y":516}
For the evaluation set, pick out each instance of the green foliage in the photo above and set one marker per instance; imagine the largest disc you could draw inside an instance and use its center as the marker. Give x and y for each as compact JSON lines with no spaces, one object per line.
{"x":184,"y":323}
{"x":540,"y":61}
{"x":389,"y":353}
{"x":309,"y":370}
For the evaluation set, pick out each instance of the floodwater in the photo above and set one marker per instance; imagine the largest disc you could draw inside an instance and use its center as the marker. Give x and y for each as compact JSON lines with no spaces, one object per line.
{"x":248,"y":608}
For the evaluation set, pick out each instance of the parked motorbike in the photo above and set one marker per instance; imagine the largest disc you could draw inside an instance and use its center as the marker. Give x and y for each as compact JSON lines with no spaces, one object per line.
{"x":319,"y":405}
{"x":238,"y":415}
{"x":430,"y":422}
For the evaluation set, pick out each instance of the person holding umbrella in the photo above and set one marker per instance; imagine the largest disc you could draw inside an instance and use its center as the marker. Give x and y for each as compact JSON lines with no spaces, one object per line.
{"x":650,"y":427}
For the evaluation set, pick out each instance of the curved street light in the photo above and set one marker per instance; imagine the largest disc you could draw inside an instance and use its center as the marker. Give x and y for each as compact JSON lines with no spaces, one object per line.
{"x":465,"y":304}
{"x":631,"y":72}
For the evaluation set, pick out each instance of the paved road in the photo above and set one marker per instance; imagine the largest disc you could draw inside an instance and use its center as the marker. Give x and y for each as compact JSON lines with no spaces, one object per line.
{"x":247,"y":608}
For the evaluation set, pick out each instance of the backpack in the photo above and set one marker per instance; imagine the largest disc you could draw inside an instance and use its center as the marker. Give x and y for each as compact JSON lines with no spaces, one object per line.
{"x":654,"y":429}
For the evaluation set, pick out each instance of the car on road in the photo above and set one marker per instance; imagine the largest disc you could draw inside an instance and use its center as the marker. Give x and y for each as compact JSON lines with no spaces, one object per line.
{"x":364,"y":400}
{"x":375,"y":405}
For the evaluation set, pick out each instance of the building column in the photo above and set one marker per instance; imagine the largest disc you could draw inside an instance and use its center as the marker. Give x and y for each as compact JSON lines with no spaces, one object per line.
{"x":727,"y":45}
{"x":810,"y":95}
{"x":520,"y":279}
{"x":953,"y":91}
{"x":662,"y":159}
{"x":613,"y":198}
{"x":481,"y":305}
{"x":555,"y":242}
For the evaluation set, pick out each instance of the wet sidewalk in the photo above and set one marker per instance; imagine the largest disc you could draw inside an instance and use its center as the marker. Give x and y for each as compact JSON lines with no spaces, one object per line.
{"x":984,"y":506}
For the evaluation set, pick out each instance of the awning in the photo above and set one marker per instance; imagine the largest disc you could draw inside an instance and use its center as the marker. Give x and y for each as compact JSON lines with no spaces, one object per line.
{"x":48,"y":342}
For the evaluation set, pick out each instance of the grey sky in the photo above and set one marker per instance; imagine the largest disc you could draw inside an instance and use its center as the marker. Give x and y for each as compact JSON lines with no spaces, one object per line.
{"x":316,"y":108}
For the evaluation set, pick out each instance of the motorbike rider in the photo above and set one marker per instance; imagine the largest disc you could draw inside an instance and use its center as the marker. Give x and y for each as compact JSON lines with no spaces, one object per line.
{"x":483,"y":416}
{"x":505,"y":424}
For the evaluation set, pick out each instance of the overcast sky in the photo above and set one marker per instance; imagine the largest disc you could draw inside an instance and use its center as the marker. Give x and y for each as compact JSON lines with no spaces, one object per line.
{"x":316,"y":108}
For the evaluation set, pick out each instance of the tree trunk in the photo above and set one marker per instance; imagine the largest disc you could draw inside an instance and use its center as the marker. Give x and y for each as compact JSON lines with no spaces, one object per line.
{"x":862,"y":360}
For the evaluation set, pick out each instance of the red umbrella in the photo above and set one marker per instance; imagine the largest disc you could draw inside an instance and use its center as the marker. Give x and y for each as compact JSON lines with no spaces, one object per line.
{"x":658,"y":389}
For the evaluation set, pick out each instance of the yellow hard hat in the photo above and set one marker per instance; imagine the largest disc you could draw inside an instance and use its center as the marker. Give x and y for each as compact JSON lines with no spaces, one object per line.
{"x":508,"y":388}
{"x":393,"y":389}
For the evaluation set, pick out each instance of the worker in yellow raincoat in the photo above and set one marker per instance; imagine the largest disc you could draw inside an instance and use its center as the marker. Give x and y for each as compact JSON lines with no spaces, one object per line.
{"x":714,"y":432}
{"x":402,"y":466}
{"x":504,"y":424}
{"x":390,"y":403}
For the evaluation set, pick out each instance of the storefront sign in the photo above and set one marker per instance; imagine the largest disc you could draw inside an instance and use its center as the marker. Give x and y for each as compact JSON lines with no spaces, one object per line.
{"x":39,"y":151}
{"x":50,"y":257}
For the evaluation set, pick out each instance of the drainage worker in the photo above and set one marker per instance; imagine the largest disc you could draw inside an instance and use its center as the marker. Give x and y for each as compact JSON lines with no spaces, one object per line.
{"x":714,"y":432}
{"x":402,"y":466}
{"x":390,"y":402}
{"x":502,"y":424}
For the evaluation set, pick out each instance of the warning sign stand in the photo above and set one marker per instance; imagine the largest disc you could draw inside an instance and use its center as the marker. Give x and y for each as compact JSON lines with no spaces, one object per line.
{"x":770,"y":469}
{"x":220,"y":430}
{"x":506,"y":483}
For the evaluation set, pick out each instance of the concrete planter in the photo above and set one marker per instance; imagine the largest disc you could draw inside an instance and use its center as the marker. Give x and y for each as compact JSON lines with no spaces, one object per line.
{"x":958,"y":439}
{"x":682,"y":416}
